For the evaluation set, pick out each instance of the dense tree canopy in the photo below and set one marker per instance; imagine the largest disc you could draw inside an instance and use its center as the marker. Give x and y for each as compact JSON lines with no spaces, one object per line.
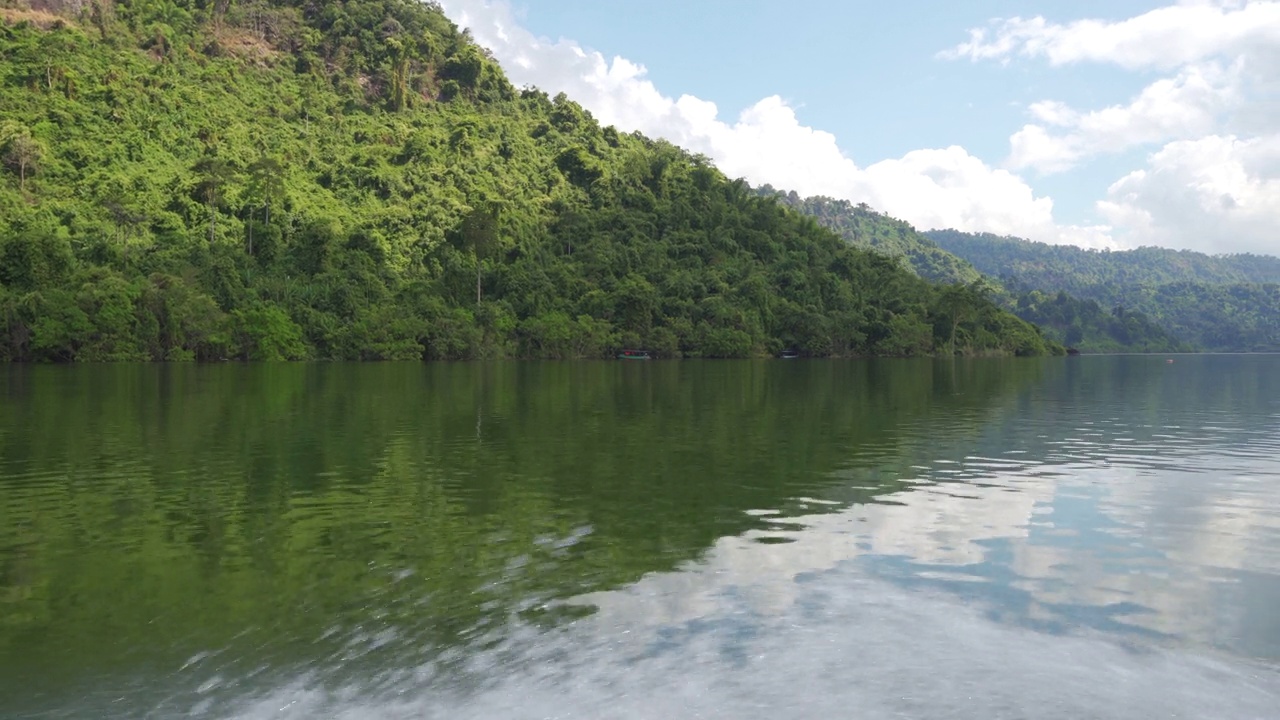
{"x":1089,"y":327}
{"x":358,"y":180}
{"x":863,"y":227}
{"x":1042,"y":264}
{"x":1083,"y":325}
{"x":1225,"y":302}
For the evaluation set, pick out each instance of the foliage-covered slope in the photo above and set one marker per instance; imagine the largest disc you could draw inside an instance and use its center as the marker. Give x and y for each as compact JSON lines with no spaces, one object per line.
{"x":1081,"y":324}
{"x":1042,"y":265}
{"x":1227,"y":303}
{"x":863,"y":227}
{"x":358,"y":180}
{"x":1087,"y":326}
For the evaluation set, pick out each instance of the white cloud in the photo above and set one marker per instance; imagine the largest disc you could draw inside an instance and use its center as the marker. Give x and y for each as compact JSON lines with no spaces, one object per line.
{"x":1166,"y":37}
{"x":1213,"y":183}
{"x":768,"y":144}
{"x":1189,"y":105}
{"x":1214,"y":194}
{"x":952,"y":189}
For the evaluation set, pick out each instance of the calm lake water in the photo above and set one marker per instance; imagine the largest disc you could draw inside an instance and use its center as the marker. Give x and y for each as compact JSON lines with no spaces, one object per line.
{"x":1092,"y":537}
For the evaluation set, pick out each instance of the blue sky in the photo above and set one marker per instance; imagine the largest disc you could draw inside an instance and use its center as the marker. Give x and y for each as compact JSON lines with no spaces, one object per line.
{"x":1108,"y":124}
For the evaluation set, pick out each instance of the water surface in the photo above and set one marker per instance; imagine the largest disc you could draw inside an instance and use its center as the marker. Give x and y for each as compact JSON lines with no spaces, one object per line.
{"x":1061,"y":538}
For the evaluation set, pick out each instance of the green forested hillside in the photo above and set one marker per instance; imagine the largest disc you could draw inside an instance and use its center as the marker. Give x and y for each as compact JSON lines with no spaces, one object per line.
{"x":1089,"y":327}
{"x":288,"y":179}
{"x":1073,"y":268}
{"x":1224,"y":303}
{"x":1081,"y":324}
{"x":863,"y":227}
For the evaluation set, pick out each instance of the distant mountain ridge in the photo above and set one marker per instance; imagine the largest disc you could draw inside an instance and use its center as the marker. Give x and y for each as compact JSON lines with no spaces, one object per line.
{"x":1228,"y":303}
{"x":1066,"y":266}
{"x":1083,"y":324}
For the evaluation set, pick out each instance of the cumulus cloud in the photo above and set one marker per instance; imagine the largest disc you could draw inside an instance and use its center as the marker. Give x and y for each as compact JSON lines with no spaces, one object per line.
{"x":1211,"y":183}
{"x":1213,"y":180}
{"x":1226,"y":55}
{"x":1166,"y":37}
{"x":1213,"y":194}
{"x":767,"y":143}
{"x":1189,"y":105}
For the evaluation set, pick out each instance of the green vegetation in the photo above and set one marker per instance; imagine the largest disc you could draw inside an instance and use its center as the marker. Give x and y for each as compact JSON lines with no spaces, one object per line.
{"x":1222,"y":303}
{"x":1086,"y":326}
{"x":1082,"y":325}
{"x":863,"y":227}
{"x":1078,"y":270}
{"x":357,"y":180}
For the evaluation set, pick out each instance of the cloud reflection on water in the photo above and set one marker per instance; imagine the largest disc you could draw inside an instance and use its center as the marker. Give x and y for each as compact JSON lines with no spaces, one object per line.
{"x":1143,"y":531}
